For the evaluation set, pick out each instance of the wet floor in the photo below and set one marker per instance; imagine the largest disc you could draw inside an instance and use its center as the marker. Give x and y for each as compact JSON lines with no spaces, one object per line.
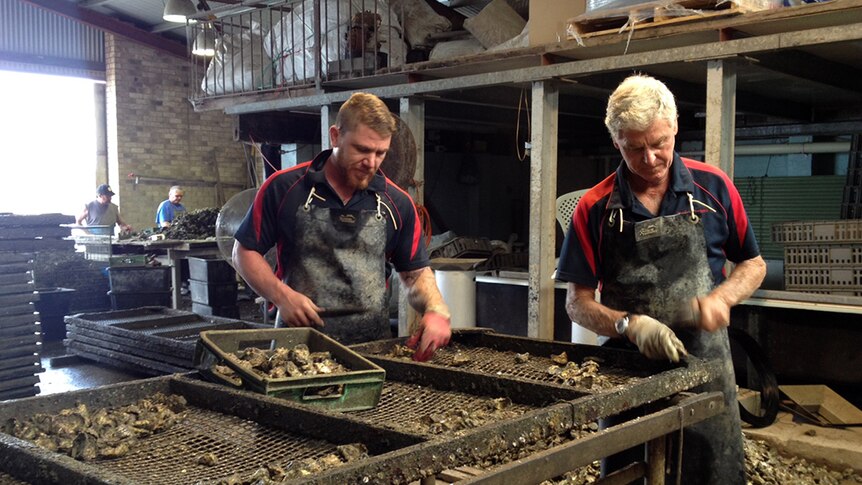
{"x":68,"y":372}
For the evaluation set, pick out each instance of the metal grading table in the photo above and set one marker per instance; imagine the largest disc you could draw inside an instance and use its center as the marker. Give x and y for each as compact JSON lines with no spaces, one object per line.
{"x":175,"y":250}
{"x":247,"y":430}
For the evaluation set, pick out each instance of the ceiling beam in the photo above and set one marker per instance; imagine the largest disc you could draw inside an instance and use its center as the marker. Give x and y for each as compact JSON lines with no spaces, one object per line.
{"x":809,"y":67}
{"x":112,"y":25}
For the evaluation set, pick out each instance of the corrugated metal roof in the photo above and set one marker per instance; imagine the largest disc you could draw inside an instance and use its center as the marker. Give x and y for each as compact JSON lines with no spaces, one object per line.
{"x":770,"y":200}
{"x":36,"y":40}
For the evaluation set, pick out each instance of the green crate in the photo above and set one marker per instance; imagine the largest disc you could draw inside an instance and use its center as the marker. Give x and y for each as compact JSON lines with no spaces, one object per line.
{"x":360,"y":388}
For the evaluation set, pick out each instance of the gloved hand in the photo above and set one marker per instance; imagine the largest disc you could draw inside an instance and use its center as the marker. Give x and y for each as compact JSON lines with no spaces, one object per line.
{"x":434,"y":332}
{"x":654,"y":339}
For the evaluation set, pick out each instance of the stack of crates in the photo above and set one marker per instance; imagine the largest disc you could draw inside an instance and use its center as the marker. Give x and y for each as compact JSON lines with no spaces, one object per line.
{"x":20,"y":331}
{"x":138,"y":286}
{"x":822,"y":256}
{"x":851,"y":203}
{"x":213,"y":285}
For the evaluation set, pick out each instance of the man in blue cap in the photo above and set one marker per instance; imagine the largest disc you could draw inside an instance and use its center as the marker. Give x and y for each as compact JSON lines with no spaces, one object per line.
{"x":101,"y":211}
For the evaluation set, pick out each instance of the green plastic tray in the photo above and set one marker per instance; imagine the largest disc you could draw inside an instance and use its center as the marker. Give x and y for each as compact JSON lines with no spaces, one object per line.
{"x":358,"y":389}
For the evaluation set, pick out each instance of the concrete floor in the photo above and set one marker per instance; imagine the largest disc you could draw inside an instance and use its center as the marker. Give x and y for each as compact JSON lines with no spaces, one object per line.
{"x":836,"y":448}
{"x":68,"y":372}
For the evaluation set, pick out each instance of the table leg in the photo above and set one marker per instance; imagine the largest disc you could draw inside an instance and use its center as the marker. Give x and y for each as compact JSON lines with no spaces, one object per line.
{"x":175,"y":278}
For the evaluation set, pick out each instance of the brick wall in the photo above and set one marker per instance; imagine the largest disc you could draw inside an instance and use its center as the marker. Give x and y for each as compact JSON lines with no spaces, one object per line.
{"x":154,"y":132}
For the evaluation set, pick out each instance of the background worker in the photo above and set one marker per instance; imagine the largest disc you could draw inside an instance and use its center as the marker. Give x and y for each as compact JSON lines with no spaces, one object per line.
{"x":337,"y":220}
{"x":101,"y":211}
{"x":171,"y":208}
{"x":654,"y":237}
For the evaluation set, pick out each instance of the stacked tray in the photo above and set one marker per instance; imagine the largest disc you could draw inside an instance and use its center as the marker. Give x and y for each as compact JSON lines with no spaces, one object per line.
{"x":20,"y":338}
{"x":150,"y":340}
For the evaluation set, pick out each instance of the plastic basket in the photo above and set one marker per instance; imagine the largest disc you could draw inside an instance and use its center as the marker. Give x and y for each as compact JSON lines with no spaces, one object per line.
{"x":211,"y":270}
{"x":127,"y":300}
{"x":822,"y":255}
{"x":145,"y":278}
{"x":844,"y":231}
{"x":359,"y":388}
{"x":213,"y":294}
{"x":227,"y":311}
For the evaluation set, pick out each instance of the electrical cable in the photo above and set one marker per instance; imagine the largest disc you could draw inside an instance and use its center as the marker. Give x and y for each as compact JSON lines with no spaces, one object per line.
{"x":522,"y":101}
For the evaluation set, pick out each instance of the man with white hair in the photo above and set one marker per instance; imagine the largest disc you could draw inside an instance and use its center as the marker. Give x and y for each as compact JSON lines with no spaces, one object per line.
{"x":171,"y":208}
{"x":654,"y":237}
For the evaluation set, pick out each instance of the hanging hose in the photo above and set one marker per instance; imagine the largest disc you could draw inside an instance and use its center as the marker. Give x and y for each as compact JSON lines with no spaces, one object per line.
{"x":425,"y":223}
{"x":769,"y":397}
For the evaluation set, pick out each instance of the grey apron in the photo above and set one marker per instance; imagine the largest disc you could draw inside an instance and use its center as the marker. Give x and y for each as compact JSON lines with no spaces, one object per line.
{"x":339,"y":264}
{"x":666,"y":265}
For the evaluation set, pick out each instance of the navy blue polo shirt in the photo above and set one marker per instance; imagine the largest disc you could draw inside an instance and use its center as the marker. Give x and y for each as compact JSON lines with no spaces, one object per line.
{"x":726,"y":229}
{"x":271,"y":219}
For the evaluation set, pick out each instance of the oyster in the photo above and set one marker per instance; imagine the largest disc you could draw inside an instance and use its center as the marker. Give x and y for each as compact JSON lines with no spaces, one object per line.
{"x":560,"y":359}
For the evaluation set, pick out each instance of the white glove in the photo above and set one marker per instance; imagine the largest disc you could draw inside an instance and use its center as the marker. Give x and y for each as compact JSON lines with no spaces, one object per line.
{"x":654,"y":339}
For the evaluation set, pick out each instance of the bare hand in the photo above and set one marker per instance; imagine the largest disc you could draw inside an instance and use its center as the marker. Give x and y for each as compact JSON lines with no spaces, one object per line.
{"x":434,"y":332}
{"x":298,"y":311}
{"x":714,"y":312}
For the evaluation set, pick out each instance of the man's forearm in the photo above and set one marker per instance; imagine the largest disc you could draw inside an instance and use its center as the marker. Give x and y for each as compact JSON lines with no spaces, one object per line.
{"x":254,"y":269}
{"x":582,"y":308}
{"x":743,"y":280}
{"x":422,"y":291}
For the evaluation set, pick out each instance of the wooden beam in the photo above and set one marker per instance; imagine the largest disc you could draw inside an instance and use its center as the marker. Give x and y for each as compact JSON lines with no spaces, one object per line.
{"x":720,"y":115}
{"x":543,"y":195}
{"x":112,"y":25}
{"x":412,"y":113}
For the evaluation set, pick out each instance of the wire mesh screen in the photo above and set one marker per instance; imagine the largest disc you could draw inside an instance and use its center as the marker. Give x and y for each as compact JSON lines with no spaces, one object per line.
{"x":426,"y":411}
{"x":534,"y":367}
{"x":240,"y":446}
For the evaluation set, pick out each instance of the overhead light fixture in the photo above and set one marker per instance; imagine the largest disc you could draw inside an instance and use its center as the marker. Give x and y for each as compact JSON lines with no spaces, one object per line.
{"x":204,"y":44}
{"x":179,"y":11}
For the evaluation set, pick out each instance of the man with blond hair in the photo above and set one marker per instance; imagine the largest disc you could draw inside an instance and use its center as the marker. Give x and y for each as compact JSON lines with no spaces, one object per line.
{"x":654,"y":237}
{"x":337,"y":220}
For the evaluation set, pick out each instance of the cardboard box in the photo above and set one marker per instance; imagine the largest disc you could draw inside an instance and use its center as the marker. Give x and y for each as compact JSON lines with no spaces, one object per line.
{"x":550,"y":18}
{"x":824,"y":402}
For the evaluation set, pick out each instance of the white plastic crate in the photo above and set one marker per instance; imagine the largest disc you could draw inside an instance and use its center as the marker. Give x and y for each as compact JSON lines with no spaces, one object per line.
{"x":826,"y":278}
{"x":843,"y":231}
{"x":801,"y":256}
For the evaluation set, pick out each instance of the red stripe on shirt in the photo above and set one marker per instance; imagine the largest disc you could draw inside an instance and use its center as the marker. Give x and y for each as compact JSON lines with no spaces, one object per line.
{"x":739,"y":215}
{"x":580,"y":218}
{"x":417,"y":227}
{"x":257,"y":206}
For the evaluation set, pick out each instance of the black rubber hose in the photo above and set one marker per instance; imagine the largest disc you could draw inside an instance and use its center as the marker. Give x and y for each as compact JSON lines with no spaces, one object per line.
{"x":769,"y":397}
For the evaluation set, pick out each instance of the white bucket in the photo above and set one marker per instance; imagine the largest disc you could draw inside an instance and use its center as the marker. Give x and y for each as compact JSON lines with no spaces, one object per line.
{"x":581,"y":335}
{"x":459,"y":292}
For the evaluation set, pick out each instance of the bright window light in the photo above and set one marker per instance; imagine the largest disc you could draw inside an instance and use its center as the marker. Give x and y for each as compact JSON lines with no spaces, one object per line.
{"x":47,"y":143}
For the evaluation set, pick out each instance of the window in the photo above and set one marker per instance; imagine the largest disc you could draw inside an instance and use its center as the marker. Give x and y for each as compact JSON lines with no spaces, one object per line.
{"x":48,"y":146}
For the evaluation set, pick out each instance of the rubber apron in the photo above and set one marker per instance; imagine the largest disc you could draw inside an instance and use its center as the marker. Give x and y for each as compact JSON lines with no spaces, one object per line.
{"x":339,"y":263}
{"x":667,"y":265}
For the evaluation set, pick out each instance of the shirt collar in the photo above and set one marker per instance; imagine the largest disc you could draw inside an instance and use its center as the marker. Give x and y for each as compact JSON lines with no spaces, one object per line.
{"x":622,"y":197}
{"x":315,"y":175}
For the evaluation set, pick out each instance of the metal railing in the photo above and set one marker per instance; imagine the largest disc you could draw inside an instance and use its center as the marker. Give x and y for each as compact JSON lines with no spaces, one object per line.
{"x":291,"y":44}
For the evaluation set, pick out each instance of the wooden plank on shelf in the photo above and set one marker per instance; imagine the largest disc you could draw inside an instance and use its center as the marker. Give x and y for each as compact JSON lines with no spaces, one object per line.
{"x":651,"y":15}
